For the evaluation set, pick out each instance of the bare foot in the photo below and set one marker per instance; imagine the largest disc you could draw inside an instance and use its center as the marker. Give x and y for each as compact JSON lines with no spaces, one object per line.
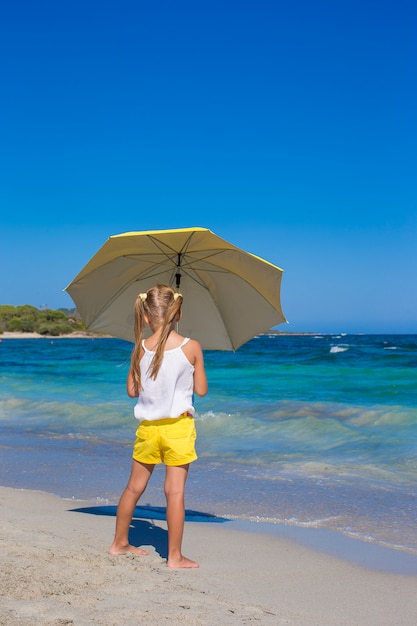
{"x":182,"y":562}
{"x":116,"y":551}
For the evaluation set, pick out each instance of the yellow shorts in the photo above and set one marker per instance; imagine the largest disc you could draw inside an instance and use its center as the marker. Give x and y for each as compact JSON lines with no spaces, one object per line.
{"x":169,"y":441}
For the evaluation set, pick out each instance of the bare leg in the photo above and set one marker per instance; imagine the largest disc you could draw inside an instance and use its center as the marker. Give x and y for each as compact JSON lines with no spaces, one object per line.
{"x":139,"y":477}
{"x":174,"y":491}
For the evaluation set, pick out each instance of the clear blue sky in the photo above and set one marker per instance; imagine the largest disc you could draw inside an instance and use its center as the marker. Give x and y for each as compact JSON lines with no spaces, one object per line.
{"x":288,"y":128}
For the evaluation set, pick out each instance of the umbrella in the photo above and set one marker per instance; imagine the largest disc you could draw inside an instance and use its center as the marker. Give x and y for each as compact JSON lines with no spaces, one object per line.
{"x":229,"y":295}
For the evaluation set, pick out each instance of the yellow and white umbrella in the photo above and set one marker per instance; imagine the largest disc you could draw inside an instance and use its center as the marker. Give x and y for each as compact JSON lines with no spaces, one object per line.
{"x":229,"y":295}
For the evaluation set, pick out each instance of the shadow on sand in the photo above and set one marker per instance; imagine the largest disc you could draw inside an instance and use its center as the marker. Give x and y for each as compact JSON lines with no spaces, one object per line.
{"x":143,"y":531}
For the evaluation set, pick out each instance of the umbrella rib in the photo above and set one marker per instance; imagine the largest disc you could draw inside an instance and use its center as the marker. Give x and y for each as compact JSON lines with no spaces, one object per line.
{"x":187,"y":262}
{"x":179,"y":259}
{"x":158,"y":244}
{"x":184,"y":256}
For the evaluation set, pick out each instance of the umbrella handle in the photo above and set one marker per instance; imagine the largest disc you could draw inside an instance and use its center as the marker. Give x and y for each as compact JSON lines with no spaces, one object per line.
{"x":178,"y":274}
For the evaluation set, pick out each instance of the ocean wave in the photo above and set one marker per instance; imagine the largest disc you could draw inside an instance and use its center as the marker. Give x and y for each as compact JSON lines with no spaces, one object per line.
{"x":78,"y":419}
{"x":336,"y":349}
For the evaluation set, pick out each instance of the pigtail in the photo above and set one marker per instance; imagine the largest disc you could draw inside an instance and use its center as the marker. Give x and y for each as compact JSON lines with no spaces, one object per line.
{"x":139,"y":311}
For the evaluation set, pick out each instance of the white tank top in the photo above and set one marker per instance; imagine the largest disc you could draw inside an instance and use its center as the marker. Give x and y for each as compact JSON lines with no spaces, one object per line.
{"x":171,"y":394}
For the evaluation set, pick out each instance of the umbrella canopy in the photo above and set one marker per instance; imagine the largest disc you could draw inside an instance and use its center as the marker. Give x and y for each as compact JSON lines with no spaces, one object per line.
{"x":229,"y":295}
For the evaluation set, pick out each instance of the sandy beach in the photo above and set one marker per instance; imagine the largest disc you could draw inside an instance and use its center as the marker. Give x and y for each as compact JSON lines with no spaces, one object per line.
{"x":55,"y":569}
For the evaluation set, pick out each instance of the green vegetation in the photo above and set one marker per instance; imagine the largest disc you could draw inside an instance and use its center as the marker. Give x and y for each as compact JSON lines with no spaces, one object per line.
{"x":29,"y":319}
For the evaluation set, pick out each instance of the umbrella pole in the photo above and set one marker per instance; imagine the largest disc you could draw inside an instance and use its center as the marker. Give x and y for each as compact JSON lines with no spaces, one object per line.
{"x":178,"y":282}
{"x":178,"y":274}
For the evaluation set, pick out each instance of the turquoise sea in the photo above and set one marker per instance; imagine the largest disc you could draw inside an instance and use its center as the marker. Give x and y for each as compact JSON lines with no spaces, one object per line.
{"x":312,"y":431}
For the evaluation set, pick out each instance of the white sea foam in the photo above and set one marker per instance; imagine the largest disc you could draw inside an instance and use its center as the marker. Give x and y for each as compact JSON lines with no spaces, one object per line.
{"x":335,"y":349}
{"x":313,"y":523}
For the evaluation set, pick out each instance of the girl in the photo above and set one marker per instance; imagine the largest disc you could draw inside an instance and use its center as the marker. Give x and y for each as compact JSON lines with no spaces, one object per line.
{"x":165,"y":370}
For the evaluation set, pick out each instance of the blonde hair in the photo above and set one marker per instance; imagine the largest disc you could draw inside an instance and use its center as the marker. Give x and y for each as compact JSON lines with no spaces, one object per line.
{"x":160,"y":304}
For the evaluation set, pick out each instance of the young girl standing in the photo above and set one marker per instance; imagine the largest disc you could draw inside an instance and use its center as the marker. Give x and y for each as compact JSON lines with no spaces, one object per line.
{"x":166,"y":369}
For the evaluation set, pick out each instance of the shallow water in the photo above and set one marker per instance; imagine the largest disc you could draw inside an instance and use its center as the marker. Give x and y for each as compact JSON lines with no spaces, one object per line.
{"x":308,"y":431}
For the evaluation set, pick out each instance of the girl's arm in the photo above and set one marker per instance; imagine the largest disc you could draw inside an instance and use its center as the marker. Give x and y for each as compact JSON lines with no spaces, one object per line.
{"x":130,"y":386}
{"x":200,"y":378}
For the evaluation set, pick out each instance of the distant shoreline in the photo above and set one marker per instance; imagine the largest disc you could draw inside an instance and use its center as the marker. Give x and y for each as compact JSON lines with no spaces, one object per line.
{"x":76,"y":335}
{"x":87,"y":335}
